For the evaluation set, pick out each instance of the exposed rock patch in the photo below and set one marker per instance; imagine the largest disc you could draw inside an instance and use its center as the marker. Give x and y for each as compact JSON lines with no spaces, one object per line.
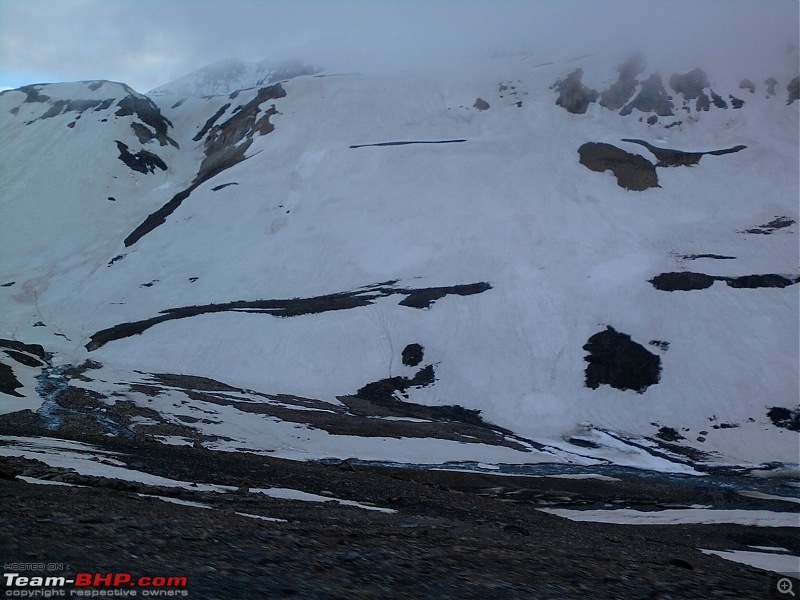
{"x":481,"y":104}
{"x":772,"y":226}
{"x":651,"y":98}
{"x":793,"y":90}
{"x":616,"y":360}
{"x":624,"y":87}
{"x":690,"y":85}
{"x":9,"y":384}
{"x":210,"y":123}
{"x":712,"y":256}
{"x":633,"y":171}
{"x":668,"y":434}
{"x":143,"y":133}
{"x":413,"y":355}
{"x":573,"y":95}
{"x":678,"y":158}
{"x":746,"y":84}
{"x":143,"y":161}
{"x":144,"y":108}
{"x":225,"y":146}
{"x":687,"y":281}
{"x":785,"y":418}
{"x":415,"y":298}
{"x":771,"y":83}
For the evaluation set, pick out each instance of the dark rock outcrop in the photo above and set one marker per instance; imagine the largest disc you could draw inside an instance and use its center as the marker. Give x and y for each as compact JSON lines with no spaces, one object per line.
{"x":413,"y":354}
{"x":148,"y":113}
{"x":682,"y":281}
{"x":746,"y":84}
{"x":225,"y":146}
{"x":785,"y":418}
{"x":652,"y":98}
{"x":616,"y":360}
{"x":793,"y":89}
{"x":633,"y":172}
{"x":772,"y":226}
{"x":573,"y":95}
{"x":143,"y":161}
{"x":624,"y":87}
{"x":687,"y":281}
{"x":481,"y":104}
{"x":690,"y":85}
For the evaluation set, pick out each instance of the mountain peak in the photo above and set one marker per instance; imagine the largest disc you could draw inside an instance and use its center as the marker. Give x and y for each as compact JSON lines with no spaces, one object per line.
{"x":231,"y":74}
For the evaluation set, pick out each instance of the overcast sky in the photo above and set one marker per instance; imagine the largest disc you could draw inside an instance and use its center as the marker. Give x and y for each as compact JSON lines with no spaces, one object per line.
{"x":147,"y":43}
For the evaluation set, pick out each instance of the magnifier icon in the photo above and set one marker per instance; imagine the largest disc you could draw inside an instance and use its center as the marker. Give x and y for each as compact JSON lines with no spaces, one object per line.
{"x":785,"y":586}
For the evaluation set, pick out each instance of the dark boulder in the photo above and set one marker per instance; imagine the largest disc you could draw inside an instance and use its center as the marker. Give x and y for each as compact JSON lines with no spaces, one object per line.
{"x":616,"y":360}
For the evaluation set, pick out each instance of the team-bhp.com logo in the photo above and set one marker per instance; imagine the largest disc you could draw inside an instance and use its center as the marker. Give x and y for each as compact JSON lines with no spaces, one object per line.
{"x":93,"y":585}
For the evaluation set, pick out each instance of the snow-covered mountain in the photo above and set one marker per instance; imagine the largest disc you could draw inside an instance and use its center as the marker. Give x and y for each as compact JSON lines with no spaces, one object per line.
{"x":563,"y":262}
{"x":232,"y":74}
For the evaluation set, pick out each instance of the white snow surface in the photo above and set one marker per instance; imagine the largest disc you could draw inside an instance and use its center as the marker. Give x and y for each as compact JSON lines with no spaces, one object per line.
{"x":784,"y":564}
{"x":566,"y":251}
{"x":706,"y":516}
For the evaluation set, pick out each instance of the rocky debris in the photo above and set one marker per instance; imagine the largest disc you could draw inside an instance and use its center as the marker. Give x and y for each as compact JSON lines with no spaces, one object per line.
{"x":573,"y":95}
{"x":7,"y":471}
{"x":633,"y":171}
{"x":624,"y":87}
{"x":735,"y":102}
{"x":651,"y":98}
{"x":455,"y":535}
{"x":616,"y":360}
{"x":481,"y":104}
{"x":686,"y":281}
{"x":678,"y":158}
{"x":793,"y":90}
{"x":746,"y":84}
{"x":779,"y":222}
{"x":143,"y":161}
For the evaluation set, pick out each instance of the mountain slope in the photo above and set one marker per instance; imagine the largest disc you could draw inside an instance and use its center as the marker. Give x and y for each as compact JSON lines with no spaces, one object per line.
{"x":302,"y":242}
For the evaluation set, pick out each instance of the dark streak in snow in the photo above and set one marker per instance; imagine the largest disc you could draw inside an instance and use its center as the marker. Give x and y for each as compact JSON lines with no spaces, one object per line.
{"x":678,"y":158}
{"x":416,"y":298}
{"x":410,"y":142}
